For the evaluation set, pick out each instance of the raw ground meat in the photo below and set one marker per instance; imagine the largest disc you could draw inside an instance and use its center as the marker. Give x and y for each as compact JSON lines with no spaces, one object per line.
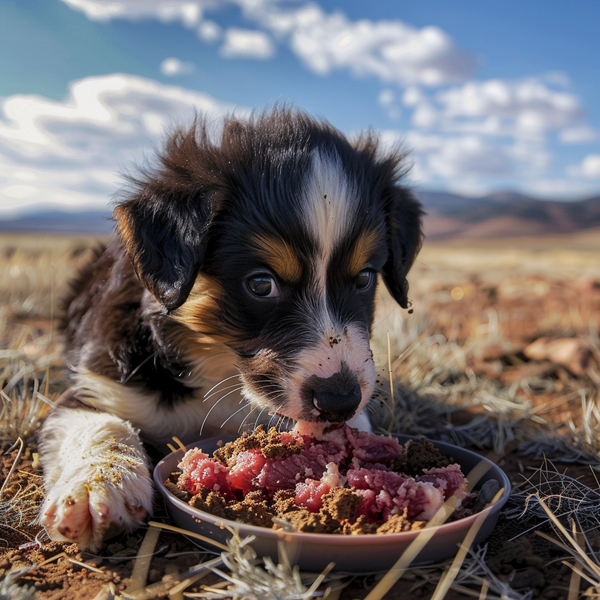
{"x":348,"y":482}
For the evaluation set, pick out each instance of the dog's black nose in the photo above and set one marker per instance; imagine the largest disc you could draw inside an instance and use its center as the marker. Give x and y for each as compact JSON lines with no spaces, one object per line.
{"x":336,"y":397}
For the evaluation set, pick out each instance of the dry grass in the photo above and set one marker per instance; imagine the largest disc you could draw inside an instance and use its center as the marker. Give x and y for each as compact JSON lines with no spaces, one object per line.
{"x":439,"y":362}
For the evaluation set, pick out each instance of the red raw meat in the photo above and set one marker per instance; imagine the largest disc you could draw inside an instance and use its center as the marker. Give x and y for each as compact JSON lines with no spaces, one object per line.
{"x":246,"y":469}
{"x":199,"y":469}
{"x":375,"y":479}
{"x":449,"y":480}
{"x":345,"y":457}
{"x":310,"y":493}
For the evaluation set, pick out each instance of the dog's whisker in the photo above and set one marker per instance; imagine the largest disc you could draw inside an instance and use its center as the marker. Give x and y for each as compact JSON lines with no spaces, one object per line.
{"x":233,"y":391}
{"x":227,"y":387}
{"x":276,"y":394}
{"x":149,"y":357}
{"x":259,"y":415}
{"x":279,"y":425}
{"x":193,"y":373}
{"x":220,"y":382}
{"x":235,"y":413}
{"x":274,"y":415}
{"x":208,"y":414}
{"x":214,"y":389}
{"x":254,"y":407}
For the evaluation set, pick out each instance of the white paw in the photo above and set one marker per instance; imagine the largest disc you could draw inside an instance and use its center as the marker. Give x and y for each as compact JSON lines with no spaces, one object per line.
{"x":97,"y":496}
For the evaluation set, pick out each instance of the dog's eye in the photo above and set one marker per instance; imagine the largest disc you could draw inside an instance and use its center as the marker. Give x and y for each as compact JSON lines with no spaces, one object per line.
{"x":263,"y":286}
{"x":364,"y":279}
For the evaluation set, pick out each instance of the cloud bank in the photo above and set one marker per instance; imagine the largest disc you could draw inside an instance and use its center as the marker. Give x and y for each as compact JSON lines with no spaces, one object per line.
{"x":70,"y":153}
{"x":388,"y":50}
{"x":465,"y":134}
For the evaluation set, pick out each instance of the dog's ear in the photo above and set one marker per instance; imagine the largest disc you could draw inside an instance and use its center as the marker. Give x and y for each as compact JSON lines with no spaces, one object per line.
{"x":404,"y":237}
{"x":165,"y":232}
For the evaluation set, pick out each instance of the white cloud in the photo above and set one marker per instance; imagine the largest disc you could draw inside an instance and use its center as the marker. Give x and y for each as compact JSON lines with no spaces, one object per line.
{"x":589,"y":167}
{"x":389,"y":50}
{"x":469,"y":161}
{"x":247,"y":43}
{"x":70,"y":153}
{"x":426,"y":116}
{"x":174,"y":66}
{"x":209,"y":31}
{"x":413,"y":96}
{"x":469,"y":156}
{"x":186,"y":11}
{"x":526,"y":107}
{"x":581,"y":134}
{"x":387,"y":100}
{"x":522,"y":110}
{"x":558,"y":78}
{"x":386,"y":97}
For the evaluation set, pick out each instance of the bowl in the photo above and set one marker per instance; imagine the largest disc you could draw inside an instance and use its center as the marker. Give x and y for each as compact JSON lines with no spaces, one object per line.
{"x":353,"y":553}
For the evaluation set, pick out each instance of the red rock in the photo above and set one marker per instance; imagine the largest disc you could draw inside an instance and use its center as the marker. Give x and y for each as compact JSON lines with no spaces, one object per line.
{"x":572,"y":353}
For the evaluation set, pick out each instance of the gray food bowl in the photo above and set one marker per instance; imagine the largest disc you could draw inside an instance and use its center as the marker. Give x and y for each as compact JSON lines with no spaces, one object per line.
{"x":354,"y":553}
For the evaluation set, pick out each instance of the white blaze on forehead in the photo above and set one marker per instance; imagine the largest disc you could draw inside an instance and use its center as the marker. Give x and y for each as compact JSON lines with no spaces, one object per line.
{"x":329,"y":202}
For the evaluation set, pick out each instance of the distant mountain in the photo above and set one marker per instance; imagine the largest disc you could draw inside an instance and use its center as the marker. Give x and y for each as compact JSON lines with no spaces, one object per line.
{"x":90,"y":222}
{"x":503,"y":214}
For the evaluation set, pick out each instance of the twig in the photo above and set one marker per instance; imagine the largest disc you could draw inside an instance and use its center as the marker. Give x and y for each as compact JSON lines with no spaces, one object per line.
{"x":142,"y":562}
{"x":189,"y":533}
{"x":12,"y":468}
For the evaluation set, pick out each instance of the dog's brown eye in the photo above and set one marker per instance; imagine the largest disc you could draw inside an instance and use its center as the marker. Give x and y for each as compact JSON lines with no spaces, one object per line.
{"x":263,"y":286}
{"x":364,"y":279}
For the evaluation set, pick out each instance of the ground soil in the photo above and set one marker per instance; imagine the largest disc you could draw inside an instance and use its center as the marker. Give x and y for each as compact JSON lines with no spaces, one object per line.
{"x":529,"y":307}
{"x":63,"y":572}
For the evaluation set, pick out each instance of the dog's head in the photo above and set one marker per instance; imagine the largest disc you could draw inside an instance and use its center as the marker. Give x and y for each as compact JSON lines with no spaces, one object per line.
{"x":270,"y":241}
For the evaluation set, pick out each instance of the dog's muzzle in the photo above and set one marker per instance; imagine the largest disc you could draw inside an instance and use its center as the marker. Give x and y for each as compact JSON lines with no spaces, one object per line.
{"x":333,"y":399}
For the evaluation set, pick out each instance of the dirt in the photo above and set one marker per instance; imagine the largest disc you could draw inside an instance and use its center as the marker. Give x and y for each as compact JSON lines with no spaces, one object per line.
{"x":527,"y":308}
{"x":61,"y":571}
{"x":328,"y":508}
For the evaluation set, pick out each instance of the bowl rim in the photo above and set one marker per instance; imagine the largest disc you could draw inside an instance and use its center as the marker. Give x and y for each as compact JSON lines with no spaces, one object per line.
{"x":361,"y":539}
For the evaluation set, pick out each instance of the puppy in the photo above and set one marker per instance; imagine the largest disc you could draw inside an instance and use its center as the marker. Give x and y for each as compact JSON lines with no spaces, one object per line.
{"x":241,"y":284}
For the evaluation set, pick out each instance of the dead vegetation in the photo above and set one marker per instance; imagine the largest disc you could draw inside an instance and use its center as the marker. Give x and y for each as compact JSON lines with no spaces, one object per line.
{"x":467,"y":367}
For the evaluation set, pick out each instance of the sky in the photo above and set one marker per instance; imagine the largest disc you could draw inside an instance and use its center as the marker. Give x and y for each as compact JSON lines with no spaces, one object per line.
{"x":485,"y":96}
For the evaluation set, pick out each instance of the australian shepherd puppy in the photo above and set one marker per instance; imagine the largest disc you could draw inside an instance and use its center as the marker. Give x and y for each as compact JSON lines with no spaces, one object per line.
{"x":242,"y":278}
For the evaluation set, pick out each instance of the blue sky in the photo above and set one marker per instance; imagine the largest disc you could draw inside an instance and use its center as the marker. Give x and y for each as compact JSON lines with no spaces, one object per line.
{"x":486,"y":97}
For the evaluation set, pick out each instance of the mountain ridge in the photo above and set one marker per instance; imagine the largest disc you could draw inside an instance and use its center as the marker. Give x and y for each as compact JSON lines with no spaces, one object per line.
{"x":448,"y":216}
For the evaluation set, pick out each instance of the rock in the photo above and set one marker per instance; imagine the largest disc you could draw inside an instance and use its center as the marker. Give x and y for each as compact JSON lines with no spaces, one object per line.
{"x":487,"y":492}
{"x":571,"y":353}
{"x":530,"y":578}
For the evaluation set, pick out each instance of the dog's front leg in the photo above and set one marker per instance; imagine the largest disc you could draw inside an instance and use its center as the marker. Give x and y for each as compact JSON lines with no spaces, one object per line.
{"x":95,"y":474}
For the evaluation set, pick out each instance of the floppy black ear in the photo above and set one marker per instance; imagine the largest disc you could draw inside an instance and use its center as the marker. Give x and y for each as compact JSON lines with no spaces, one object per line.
{"x":165,"y":232}
{"x":165,"y":218}
{"x":404,"y":236}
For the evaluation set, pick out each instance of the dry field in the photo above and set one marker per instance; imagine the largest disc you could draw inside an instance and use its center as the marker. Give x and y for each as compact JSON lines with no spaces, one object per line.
{"x":501,"y":354}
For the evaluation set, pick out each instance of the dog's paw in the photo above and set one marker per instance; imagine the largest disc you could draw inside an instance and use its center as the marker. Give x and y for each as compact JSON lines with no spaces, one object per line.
{"x":97,"y":498}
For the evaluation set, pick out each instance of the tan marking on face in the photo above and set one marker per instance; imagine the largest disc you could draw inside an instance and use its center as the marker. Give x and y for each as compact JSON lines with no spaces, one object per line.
{"x":125,"y":230}
{"x":363,"y":249}
{"x":200,"y":312}
{"x":279,"y":256}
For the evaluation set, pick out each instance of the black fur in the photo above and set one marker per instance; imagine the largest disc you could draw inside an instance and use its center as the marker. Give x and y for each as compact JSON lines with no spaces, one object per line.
{"x":196,"y":215}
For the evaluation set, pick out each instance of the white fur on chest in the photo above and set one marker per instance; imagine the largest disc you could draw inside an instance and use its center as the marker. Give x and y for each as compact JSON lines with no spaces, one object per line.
{"x":188,"y":419}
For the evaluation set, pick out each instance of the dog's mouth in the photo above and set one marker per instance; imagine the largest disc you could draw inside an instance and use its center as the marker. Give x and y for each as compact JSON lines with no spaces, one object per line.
{"x":315,"y":403}
{"x":326,"y":385}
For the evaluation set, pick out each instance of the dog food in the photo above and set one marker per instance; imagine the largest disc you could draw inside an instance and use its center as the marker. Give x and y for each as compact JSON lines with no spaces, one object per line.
{"x":348,"y":482}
